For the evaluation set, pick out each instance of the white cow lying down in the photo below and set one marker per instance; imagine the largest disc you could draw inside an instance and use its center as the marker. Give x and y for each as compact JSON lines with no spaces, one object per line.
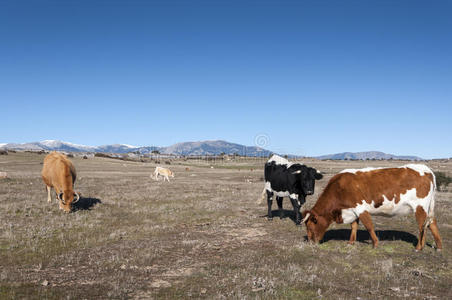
{"x":166,"y":173}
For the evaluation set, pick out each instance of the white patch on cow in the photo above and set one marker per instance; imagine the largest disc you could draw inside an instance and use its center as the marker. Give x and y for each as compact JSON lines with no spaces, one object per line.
{"x":295,"y":196}
{"x":279,"y":160}
{"x":421,"y":169}
{"x":368,"y":169}
{"x":407,"y":204}
{"x":281,"y":193}
{"x":268,"y":187}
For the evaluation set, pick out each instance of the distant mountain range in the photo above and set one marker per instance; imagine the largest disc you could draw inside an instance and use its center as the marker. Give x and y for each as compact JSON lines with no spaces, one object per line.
{"x":214,"y":148}
{"x":191,"y":148}
{"x":187,"y":148}
{"x":367,"y":155}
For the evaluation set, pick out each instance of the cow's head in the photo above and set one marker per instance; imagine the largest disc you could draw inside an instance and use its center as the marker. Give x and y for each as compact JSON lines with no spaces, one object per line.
{"x":316,"y":225}
{"x":307,"y":177}
{"x":67,"y":198}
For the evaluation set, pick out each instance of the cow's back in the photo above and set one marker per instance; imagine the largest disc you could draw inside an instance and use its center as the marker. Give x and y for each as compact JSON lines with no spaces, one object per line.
{"x":389,"y":183}
{"x":58,"y":171}
{"x":279,"y":177}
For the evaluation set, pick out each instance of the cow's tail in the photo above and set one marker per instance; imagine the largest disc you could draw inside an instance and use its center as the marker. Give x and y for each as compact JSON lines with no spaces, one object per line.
{"x":261,"y":199}
{"x":431,"y":204}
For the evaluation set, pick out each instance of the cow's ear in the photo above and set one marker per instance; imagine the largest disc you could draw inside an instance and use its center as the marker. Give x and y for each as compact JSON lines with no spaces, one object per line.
{"x":318,"y":175}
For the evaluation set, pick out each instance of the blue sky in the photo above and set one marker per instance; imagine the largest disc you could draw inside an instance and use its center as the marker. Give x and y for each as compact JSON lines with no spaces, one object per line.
{"x":315,"y":77}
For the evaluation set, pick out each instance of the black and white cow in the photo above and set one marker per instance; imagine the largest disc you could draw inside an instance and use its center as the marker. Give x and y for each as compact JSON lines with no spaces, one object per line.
{"x":286,"y":179}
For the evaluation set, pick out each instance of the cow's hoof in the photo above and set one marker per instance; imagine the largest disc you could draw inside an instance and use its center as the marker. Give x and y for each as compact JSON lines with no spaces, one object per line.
{"x":439,"y":250}
{"x":270,"y":218}
{"x":298,"y":224}
{"x":351,"y":243}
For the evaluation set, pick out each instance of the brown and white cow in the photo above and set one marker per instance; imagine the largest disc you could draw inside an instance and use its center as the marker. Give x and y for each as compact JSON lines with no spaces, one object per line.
{"x":59,"y":173}
{"x":354,"y":195}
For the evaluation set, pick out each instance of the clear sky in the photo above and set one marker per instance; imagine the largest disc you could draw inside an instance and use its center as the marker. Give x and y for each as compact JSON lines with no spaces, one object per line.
{"x":313,"y":77}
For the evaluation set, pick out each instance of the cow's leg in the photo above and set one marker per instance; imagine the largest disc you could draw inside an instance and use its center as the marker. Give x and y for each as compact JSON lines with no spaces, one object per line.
{"x":296,"y":208}
{"x":434,"y":229}
{"x":301,"y":200}
{"x":353,"y":233}
{"x":269,"y":204}
{"x":167,"y":178}
{"x":421,"y":217}
{"x":57,"y":192}
{"x":366,"y":219}
{"x":49,"y":198}
{"x":280,"y":208}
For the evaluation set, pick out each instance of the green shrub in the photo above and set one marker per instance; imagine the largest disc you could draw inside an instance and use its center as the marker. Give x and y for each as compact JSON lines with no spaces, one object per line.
{"x":442,"y":180}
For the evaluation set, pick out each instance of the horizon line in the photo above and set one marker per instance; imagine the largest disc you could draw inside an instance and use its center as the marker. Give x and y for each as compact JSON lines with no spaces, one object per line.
{"x":217,"y":140}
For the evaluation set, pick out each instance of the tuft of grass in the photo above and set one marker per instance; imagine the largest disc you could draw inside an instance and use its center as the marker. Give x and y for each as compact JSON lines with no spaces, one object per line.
{"x":292,"y":293}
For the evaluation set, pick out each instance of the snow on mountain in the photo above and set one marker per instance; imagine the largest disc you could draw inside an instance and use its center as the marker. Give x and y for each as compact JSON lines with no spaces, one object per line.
{"x":116,"y":148}
{"x":129,"y":146}
{"x":214,"y":148}
{"x":54,"y":145}
{"x":50,"y":145}
{"x":187,"y":148}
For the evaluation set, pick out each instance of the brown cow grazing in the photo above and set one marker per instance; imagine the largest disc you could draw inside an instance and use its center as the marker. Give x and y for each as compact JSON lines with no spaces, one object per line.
{"x":59,"y":172}
{"x":354,"y":195}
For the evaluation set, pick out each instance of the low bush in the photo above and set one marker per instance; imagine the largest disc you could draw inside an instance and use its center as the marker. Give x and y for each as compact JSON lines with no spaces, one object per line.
{"x":442,"y":180}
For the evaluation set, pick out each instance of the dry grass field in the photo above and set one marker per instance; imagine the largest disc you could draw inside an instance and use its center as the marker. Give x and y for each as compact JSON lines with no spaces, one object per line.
{"x":202,"y":235}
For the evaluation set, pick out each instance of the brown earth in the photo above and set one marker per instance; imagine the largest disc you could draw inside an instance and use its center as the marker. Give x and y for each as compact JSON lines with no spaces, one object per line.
{"x":202,"y":235}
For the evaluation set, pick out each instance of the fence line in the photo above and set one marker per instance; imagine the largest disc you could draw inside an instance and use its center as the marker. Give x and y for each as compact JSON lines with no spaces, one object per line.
{"x":212,"y":159}
{"x":208,"y":159}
